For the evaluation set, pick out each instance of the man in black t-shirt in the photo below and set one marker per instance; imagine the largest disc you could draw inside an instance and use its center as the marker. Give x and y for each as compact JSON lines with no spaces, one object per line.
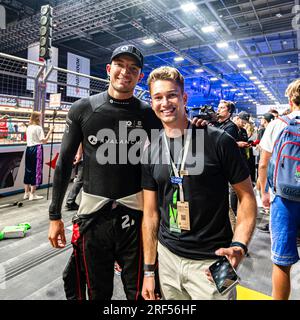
{"x":265,"y":119}
{"x":185,"y":175}
{"x":224,"y":112}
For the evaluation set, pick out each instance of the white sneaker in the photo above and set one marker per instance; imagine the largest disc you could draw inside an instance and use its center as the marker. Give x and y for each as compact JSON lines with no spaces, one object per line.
{"x":35,"y":197}
{"x":26,"y":196}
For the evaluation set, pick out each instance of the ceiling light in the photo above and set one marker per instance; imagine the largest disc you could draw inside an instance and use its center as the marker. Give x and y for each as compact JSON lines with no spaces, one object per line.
{"x":199,"y":70}
{"x":224,"y":85}
{"x":241,"y":65}
{"x":247,"y":71}
{"x":278,"y":15}
{"x":148,"y":41}
{"x":233,"y":90}
{"x":214,"y":79}
{"x":178,"y":59}
{"x":240,"y":94}
{"x":194,"y":83}
{"x":233,"y":56}
{"x":261,"y":86}
{"x":188,"y":7}
{"x":257,"y":82}
{"x":253,"y":78}
{"x":222,"y":45}
{"x":289,"y":61}
{"x":208,"y":29}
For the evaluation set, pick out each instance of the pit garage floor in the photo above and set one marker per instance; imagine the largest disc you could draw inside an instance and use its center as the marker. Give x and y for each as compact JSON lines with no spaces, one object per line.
{"x":30,"y":269}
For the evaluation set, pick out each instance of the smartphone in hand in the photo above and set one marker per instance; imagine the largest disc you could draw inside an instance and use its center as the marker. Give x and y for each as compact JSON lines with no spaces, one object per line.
{"x":224,"y":275}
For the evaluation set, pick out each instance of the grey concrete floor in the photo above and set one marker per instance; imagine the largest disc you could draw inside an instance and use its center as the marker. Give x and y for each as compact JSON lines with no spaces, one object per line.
{"x":30,"y":269}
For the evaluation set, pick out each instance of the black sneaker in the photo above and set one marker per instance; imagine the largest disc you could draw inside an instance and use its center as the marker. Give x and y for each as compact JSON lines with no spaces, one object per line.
{"x":72,"y":206}
{"x":264,"y":228}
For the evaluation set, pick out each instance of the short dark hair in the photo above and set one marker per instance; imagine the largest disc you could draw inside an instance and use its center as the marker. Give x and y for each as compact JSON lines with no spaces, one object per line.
{"x":273,"y":111}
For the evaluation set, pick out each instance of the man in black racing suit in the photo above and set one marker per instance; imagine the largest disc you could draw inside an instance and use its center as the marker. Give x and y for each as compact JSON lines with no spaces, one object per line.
{"x":112,"y":127}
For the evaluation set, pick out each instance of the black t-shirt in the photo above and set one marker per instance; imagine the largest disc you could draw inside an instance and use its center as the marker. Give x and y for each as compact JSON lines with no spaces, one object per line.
{"x":206,"y":192}
{"x":243,"y":136}
{"x":230,"y":127}
{"x":96,"y":122}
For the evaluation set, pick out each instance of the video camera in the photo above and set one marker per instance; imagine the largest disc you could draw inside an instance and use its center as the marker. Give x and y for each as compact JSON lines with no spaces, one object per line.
{"x":205,"y":112}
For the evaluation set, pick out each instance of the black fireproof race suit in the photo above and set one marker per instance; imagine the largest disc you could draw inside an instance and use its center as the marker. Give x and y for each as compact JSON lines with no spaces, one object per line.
{"x":107,"y":230}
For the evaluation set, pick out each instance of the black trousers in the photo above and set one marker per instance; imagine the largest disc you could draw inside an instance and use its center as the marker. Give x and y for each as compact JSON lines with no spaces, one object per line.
{"x":98,"y":241}
{"x":77,"y":185}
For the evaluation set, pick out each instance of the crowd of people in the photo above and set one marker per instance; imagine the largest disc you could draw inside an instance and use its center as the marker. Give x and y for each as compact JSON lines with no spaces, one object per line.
{"x":163,"y":195}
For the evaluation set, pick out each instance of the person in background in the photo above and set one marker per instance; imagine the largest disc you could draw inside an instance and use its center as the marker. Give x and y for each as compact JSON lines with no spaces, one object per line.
{"x":224,"y":112}
{"x":242,"y":141}
{"x":264,"y":121}
{"x":274,"y":112}
{"x":250,"y":129}
{"x":284,"y":213}
{"x":78,"y":182}
{"x":35,"y":139}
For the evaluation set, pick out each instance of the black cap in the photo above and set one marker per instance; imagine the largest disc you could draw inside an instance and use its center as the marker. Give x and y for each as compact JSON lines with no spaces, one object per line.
{"x":244,"y":116}
{"x":268,"y":116}
{"x":131,"y":51}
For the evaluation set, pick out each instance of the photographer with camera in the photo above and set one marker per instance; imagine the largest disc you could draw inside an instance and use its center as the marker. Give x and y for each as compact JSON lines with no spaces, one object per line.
{"x":224,"y":112}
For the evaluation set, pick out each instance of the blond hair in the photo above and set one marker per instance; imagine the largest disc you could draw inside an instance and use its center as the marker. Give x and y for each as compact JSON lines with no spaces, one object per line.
{"x":166,"y":73}
{"x":293,"y":92}
{"x":35,"y":118}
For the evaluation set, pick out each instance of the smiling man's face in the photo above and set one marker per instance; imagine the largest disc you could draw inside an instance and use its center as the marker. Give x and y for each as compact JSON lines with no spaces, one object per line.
{"x":168,"y":100}
{"x":124,"y":74}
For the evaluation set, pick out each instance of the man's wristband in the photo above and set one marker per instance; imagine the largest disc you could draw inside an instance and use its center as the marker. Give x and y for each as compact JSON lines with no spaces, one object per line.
{"x":149,"y":267}
{"x":149,"y":274}
{"x":239,"y":244}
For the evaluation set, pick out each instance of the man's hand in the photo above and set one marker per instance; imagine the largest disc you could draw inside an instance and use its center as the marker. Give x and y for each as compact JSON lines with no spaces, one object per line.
{"x":199,"y":122}
{"x":243,"y":144}
{"x":265,"y":198}
{"x":233,"y":254}
{"x":56,"y":234}
{"x":148,"y":289}
{"x":79,"y":153}
{"x":77,"y":158}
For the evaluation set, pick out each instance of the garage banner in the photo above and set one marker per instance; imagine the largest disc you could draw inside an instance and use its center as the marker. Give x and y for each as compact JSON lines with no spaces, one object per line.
{"x":78,"y":86}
